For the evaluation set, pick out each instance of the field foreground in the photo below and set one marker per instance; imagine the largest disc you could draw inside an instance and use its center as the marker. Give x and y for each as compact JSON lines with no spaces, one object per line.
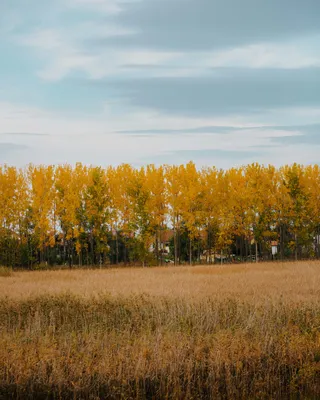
{"x":247,"y":331}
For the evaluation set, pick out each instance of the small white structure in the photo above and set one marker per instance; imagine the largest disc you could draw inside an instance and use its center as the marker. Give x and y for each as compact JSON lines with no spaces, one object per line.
{"x":274,"y":248}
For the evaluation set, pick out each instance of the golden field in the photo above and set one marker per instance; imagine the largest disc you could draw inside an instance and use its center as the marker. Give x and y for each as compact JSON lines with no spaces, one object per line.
{"x":239,"y":331}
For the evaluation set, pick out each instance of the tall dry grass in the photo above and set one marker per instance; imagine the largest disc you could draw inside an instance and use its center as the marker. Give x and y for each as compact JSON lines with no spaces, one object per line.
{"x":177,"y":333}
{"x":5,"y":272}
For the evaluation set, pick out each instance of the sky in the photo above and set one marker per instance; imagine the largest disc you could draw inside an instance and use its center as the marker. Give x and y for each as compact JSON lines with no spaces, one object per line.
{"x":105,"y":82}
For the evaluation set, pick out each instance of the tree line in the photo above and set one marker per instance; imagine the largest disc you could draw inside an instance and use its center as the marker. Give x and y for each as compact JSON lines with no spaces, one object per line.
{"x":86,"y":215}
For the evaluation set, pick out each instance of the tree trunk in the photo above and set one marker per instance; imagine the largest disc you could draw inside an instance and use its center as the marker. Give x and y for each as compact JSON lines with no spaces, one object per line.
{"x":87,"y":252}
{"x":157,"y":247}
{"x":125,"y":251}
{"x":161,"y":249}
{"x":190,"y":250}
{"x":70,"y":253}
{"x":175,"y":247}
{"x":257,"y":256}
{"x":281,"y":243}
{"x":92,"y":250}
{"x":246,"y":248}
{"x":64,"y":249}
{"x":317,"y":243}
{"x":117,"y":248}
{"x":208,"y":246}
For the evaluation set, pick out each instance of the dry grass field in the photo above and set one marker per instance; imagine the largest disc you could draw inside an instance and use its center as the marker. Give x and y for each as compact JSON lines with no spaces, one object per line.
{"x":210,"y":332}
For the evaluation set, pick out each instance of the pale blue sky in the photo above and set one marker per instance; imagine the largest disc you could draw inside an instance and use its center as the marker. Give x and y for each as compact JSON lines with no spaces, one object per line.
{"x":220,"y":82}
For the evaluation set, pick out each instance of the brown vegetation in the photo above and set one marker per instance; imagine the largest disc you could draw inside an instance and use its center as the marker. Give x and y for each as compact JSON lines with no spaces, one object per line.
{"x":5,"y":272}
{"x":246,"y":331}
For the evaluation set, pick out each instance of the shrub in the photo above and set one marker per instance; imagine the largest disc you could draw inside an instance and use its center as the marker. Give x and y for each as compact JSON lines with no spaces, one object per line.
{"x":40,"y":266}
{"x":5,"y":272}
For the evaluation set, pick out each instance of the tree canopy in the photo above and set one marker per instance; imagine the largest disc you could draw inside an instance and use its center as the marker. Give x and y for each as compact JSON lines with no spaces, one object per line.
{"x":89,"y":215}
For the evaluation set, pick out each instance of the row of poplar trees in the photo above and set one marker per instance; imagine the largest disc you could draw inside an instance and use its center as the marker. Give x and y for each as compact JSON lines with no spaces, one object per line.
{"x":80,"y":215}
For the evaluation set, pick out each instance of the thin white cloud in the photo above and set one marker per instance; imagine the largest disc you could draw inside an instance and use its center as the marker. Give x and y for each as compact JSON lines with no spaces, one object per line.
{"x":289,"y":55}
{"x":62,"y":54}
{"x":93,"y":140}
{"x":64,"y":51}
{"x":107,"y":6}
{"x":15,"y":118}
